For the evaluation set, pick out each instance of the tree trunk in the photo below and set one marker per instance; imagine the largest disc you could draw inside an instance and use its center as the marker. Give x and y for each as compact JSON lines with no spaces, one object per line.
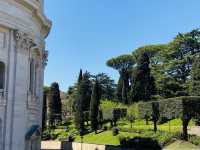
{"x":147,"y":123}
{"x":155,"y":125}
{"x":111,"y":123}
{"x":185,"y":123}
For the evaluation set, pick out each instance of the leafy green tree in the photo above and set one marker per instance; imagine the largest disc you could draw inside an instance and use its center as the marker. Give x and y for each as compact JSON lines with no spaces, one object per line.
{"x":94,"y":106}
{"x":144,"y":86}
{"x":69,"y":101}
{"x":107,"y":86}
{"x":159,"y":56}
{"x":123,"y":64}
{"x":195,"y":78}
{"x":183,"y":49}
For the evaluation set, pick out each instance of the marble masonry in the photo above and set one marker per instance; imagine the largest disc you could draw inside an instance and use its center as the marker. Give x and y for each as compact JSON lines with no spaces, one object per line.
{"x":23,"y":29}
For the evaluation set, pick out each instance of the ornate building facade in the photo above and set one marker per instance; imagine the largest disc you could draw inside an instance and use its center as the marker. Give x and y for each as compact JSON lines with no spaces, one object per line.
{"x":23,"y":29}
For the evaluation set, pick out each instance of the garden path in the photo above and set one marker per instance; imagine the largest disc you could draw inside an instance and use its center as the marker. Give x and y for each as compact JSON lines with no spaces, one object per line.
{"x":194,"y":130}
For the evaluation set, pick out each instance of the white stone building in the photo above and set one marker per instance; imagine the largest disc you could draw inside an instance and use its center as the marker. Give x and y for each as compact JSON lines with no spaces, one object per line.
{"x":23,"y":29}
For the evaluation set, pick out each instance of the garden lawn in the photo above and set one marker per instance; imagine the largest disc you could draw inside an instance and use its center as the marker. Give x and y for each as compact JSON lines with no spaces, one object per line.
{"x":170,"y":126}
{"x":106,"y":137}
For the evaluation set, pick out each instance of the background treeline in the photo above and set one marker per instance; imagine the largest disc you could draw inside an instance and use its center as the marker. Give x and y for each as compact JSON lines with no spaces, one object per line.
{"x":148,"y":76}
{"x":150,"y":72}
{"x":157,"y":71}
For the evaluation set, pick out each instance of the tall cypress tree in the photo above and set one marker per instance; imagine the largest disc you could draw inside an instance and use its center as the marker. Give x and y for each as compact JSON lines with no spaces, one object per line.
{"x":44,"y":109}
{"x":87,"y":91}
{"x":79,"y":114}
{"x":195,"y":81}
{"x":80,"y":77}
{"x":94,"y":106}
{"x":54,"y":104}
{"x":144,"y":86}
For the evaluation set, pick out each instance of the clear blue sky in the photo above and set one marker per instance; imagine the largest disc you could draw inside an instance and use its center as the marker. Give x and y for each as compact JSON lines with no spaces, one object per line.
{"x":86,"y":33}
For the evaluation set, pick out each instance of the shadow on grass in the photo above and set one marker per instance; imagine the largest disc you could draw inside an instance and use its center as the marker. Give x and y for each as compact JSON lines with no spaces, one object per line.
{"x":139,"y":143}
{"x":136,"y":143}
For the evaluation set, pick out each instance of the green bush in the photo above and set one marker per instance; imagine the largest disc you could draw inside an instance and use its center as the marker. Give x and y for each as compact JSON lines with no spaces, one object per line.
{"x":46,"y":135}
{"x":194,"y":139}
{"x":115,"y":131}
{"x":62,"y":136}
{"x":105,"y":128}
{"x":54,"y":135}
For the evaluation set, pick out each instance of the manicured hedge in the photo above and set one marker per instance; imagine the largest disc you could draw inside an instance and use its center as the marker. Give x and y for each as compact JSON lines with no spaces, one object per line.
{"x":114,"y":113}
{"x":172,"y":108}
{"x":185,"y":108}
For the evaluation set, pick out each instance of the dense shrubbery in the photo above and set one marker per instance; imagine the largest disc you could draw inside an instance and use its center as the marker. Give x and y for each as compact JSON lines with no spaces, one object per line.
{"x":194,"y":139}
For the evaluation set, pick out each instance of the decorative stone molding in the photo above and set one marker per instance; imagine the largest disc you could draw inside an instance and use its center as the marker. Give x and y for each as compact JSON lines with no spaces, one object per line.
{"x":23,"y":41}
{"x":36,"y":7}
{"x":44,"y":57}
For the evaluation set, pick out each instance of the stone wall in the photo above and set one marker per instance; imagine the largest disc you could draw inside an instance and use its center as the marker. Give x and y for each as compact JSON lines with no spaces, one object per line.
{"x":56,"y":145}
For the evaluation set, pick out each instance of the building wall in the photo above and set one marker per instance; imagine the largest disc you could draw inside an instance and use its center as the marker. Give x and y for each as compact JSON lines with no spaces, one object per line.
{"x":22,"y":35}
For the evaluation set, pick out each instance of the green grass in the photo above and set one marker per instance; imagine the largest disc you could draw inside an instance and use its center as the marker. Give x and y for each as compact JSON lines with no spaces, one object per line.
{"x":106,"y":137}
{"x":181,"y":145}
{"x":140,"y":129}
{"x":101,"y":138}
{"x":171,"y":126}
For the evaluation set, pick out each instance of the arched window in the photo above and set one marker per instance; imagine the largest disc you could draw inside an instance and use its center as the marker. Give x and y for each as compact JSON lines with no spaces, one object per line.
{"x":2,"y":75}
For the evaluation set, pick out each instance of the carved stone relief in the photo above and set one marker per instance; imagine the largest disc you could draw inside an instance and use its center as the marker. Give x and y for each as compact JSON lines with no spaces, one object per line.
{"x":23,"y":41}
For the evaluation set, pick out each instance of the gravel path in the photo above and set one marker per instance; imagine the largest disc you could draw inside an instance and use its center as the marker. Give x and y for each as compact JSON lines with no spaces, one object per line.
{"x":195,"y":130}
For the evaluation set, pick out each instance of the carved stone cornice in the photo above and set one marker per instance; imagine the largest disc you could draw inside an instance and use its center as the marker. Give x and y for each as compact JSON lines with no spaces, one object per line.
{"x":38,"y":13}
{"x":23,"y":41}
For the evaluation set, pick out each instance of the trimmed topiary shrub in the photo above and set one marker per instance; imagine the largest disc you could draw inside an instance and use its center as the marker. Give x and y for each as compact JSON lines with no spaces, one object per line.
{"x":105,"y":128}
{"x":115,"y":131}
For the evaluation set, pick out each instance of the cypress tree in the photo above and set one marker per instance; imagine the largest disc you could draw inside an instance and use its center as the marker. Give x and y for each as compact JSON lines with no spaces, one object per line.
{"x":44,"y":109}
{"x":79,"y":114}
{"x":144,"y":86}
{"x":87,"y":91}
{"x":54,"y":105}
{"x":80,"y":77}
{"x":94,"y":106}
